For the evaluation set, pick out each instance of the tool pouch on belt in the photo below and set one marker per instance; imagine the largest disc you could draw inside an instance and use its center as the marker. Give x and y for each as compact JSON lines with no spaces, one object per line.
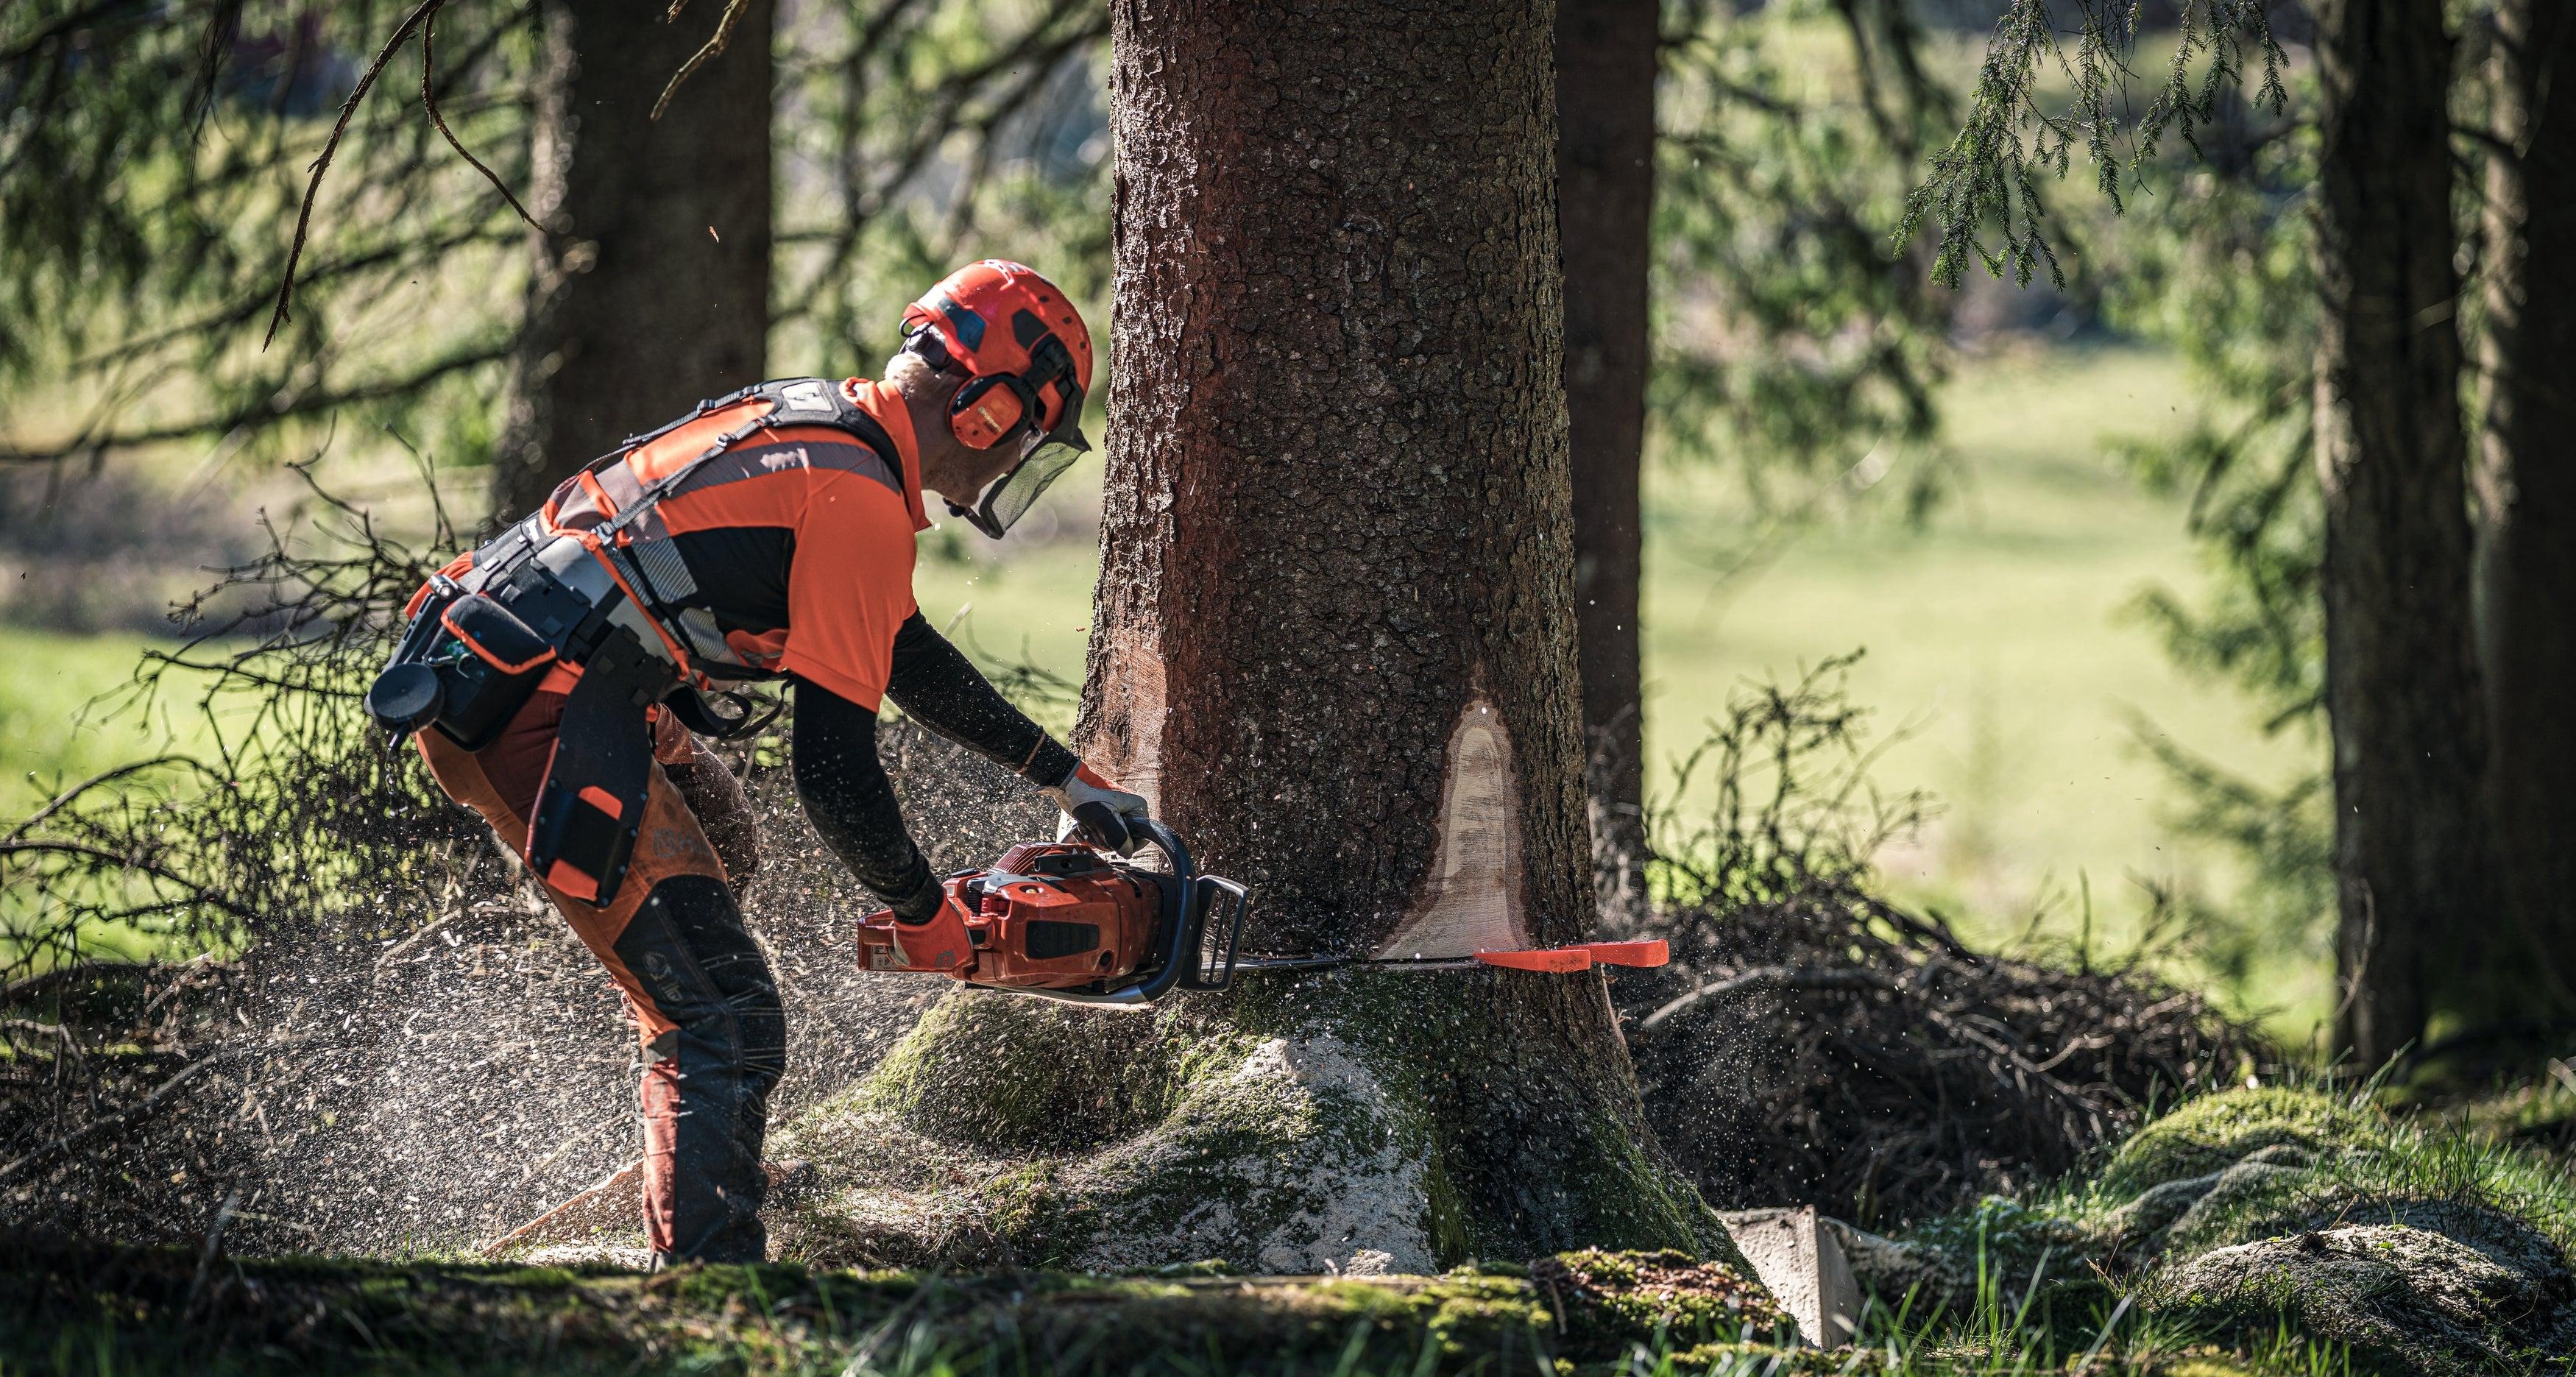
{"x":591,"y":807}
{"x":465,"y":666}
{"x":501,"y":666}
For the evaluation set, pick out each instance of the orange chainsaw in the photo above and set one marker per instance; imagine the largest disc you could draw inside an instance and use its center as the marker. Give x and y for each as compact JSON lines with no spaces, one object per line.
{"x":1071,"y":921}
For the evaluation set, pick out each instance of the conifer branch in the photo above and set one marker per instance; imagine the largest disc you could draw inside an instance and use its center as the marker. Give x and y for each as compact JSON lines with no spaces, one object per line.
{"x":1988,"y":176}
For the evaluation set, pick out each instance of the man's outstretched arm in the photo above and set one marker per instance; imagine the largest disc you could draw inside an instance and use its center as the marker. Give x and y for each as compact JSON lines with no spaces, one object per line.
{"x":851,"y":802}
{"x":945,"y":693}
{"x":937,"y":685}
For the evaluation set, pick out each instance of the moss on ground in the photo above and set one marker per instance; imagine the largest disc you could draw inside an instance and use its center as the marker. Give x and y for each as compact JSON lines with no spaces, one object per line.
{"x":2407,"y":1246}
{"x":2398,"y":1249}
{"x":2206,"y":1134}
{"x":154,"y":1311}
{"x":1600,"y":1297}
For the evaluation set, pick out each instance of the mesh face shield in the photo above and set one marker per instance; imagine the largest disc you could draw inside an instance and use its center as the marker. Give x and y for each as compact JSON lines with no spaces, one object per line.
{"x":1008,"y":498}
{"x":1044,"y":456}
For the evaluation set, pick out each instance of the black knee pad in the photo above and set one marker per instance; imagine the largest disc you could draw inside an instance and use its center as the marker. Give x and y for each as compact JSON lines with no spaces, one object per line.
{"x":699,"y":910}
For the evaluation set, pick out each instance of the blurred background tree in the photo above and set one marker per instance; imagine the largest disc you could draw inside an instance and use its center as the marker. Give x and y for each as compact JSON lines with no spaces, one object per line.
{"x":155,"y":161}
{"x":2326,"y":266}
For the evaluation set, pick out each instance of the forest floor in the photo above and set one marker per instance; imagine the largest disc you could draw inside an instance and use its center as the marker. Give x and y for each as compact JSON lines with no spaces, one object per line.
{"x":2252,"y":1232}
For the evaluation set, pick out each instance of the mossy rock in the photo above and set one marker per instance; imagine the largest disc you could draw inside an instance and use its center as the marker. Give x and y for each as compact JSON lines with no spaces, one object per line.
{"x":2405,"y":1299}
{"x":2210,"y":1133}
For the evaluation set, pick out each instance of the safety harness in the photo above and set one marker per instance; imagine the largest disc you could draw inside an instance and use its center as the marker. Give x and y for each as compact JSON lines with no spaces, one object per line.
{"x":591,"y":588}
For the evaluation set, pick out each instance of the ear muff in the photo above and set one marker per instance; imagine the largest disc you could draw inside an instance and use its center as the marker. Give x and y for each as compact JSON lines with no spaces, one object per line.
{"x":986,"y":409}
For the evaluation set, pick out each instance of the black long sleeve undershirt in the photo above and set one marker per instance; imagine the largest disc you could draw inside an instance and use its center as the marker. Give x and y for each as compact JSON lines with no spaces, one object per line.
{"x":844,"y":787}
{"x":851,"y":802}
{"x":934,"y":683}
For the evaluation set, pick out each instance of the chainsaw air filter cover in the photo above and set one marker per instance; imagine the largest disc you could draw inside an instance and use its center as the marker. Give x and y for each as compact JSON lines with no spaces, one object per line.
{"x":1068,"y":921}
{"x":1050,"y":915}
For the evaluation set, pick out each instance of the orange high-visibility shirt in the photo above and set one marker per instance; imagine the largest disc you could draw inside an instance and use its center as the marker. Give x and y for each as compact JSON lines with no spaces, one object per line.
{"x":799,"y":539}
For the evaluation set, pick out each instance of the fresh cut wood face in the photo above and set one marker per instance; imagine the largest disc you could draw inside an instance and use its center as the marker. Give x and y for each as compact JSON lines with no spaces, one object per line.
{"x":1472,"y":901}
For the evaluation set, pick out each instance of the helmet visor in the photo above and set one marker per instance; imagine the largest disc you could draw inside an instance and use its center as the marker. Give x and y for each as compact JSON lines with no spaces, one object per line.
{"x":1011,"y":495}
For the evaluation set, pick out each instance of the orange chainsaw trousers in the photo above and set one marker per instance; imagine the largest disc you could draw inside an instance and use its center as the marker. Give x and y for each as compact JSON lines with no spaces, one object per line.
{"x":704,"y":1002}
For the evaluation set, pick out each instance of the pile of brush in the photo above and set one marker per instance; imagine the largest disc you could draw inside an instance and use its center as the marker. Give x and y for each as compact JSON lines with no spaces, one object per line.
{"x":1859,"y":1058}
{"x":1813,"y":1043}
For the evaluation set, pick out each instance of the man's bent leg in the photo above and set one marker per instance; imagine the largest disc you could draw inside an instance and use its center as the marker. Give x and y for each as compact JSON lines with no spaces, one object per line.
{"x":696,"y":930}
{"x":707,"y":1079}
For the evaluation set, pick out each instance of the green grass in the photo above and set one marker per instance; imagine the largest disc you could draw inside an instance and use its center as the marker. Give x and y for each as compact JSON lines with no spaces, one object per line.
{"x":55,"y":731}
{"x":1997,"y":635}
{"x":63,"y":720}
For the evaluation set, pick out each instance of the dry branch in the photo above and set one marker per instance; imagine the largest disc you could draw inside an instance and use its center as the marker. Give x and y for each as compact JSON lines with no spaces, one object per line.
{"x":429,"y":102}
{"x":122,"y":1119}
{"x":322,"y":164}
{"x":713,"y":47}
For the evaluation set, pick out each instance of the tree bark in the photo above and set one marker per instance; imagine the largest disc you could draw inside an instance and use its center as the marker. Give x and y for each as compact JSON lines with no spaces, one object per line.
{"x":650,"y":283}
{"x":2526,"y":487}
{"x":1605,"y":169}
{"x":2411,"y":856}
{"x":1334,"y":634}
{"x":1333,"y":641}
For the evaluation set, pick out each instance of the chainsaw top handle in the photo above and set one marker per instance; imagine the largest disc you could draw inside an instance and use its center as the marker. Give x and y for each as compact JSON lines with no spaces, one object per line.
{"x":1106,"y":828}
{"x":1181,"y":934}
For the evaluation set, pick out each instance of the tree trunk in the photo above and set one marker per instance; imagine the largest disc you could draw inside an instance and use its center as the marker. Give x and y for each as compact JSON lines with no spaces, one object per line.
{"x":2526,"y":566}
{"x":650,"y":286}
{"x":2416,"y":886}
{"x":1333,"y":640}
{"x":1605,"y":176}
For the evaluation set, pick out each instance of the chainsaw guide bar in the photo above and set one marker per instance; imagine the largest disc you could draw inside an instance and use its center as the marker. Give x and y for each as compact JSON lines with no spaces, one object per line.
{"x":1577,"y":957}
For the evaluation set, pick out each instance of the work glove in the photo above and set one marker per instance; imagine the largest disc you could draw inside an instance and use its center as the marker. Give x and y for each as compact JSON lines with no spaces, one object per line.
{"x":1099,"y":809}
{"x":938,"y":942}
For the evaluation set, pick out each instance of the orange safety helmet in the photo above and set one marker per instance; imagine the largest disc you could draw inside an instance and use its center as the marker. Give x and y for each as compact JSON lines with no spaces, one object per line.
{"x":1027,"y":357}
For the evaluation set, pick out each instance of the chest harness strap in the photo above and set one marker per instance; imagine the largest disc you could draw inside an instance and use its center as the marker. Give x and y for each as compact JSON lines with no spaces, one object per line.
{"x":481,"y":641}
